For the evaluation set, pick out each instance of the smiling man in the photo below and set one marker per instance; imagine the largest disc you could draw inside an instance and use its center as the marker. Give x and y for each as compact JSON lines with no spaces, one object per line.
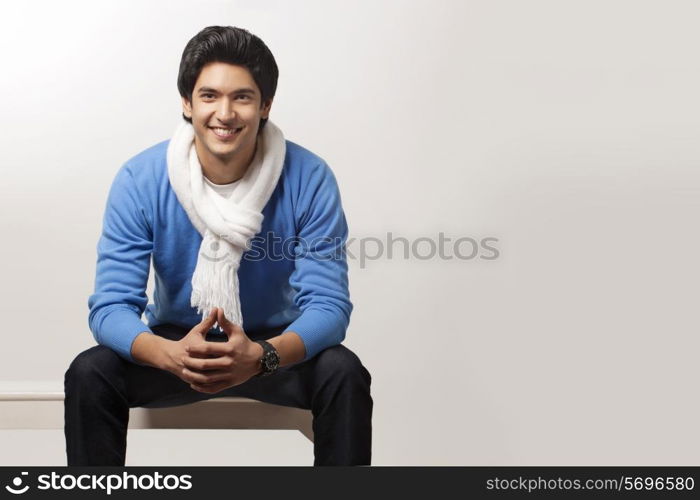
{"x":209,"y":208}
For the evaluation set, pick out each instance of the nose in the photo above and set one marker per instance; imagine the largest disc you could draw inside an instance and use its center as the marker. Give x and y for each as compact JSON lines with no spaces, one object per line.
{"x":225,"y":110}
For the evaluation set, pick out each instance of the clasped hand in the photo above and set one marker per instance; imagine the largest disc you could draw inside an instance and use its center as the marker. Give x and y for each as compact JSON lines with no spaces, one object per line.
{"x":211,"y":367}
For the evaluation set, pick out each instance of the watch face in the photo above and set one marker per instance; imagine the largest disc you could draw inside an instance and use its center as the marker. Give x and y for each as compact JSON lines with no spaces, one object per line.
{"x":271,"y":361}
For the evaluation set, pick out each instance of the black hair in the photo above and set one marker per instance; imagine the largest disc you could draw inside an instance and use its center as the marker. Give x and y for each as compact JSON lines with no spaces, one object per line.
{"x":231,"y":45}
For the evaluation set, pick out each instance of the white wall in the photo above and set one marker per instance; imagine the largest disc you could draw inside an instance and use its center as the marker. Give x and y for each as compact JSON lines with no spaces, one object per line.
{"x":568,"y":130}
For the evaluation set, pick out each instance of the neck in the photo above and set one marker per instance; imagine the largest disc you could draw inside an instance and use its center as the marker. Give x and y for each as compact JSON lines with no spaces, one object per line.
{"x":221,"y":170}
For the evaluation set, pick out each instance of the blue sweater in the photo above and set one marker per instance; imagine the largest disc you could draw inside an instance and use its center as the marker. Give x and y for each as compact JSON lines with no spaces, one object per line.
{"x":294,"y":274}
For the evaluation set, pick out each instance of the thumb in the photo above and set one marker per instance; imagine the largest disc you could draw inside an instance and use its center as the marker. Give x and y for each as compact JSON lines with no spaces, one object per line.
{"x":229,"y":328}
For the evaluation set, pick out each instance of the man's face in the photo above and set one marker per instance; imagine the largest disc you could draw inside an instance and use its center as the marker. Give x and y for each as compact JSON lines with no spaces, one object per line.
{"x":226,"y":111}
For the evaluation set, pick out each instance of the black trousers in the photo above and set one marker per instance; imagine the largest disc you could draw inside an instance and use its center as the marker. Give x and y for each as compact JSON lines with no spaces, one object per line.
{"x":101,"y":386}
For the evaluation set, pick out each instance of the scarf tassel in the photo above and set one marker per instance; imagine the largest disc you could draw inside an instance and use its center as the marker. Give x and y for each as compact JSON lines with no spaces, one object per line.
{"x":223,"y":294}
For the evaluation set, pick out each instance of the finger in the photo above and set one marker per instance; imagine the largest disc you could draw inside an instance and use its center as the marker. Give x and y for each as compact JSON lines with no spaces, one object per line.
{"x":208,"y":322}
{"x":215,"y":349}
{"x":223,"y":321}
{"x":202,"y":379}
{"x":229,"y":327}
{"x":206,"y":364}
{"x":194,"y":354}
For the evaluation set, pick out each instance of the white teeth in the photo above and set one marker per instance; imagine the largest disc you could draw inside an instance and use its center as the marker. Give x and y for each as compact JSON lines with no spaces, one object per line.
{"x":224,"y":131}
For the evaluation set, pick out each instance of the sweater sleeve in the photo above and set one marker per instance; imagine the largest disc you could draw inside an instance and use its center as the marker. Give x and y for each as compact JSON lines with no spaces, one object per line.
{"x":123,"y":263}
{"x":320,"y":276}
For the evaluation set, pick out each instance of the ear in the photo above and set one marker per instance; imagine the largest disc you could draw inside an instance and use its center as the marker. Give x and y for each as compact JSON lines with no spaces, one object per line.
{"x":265,"y":108}
{"x":186,"y":107}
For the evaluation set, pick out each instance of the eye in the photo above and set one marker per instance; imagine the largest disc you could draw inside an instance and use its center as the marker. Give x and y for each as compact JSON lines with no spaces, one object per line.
{"x":207,"y":96}
{"x":244,"y":97}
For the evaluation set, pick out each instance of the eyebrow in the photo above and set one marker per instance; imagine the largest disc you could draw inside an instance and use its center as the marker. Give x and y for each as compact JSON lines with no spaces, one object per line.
{"x":243,"y":90}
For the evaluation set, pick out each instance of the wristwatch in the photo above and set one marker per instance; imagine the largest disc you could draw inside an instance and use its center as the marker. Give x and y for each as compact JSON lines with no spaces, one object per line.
{"x":270,"y":360}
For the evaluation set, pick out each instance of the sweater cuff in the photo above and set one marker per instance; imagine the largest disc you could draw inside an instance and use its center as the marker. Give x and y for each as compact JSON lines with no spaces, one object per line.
{"x":318,"y":330}
{"x":119,"y":329}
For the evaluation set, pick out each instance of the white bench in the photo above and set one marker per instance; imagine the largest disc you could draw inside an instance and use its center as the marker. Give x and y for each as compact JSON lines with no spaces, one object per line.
{"x":39,"y":405}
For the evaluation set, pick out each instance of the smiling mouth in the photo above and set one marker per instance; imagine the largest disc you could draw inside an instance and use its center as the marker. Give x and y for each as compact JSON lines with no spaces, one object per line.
{"x":226,"y":133}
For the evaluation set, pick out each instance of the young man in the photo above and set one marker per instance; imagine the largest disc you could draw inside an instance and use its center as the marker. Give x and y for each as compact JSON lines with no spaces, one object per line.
{"x":210,"y":207}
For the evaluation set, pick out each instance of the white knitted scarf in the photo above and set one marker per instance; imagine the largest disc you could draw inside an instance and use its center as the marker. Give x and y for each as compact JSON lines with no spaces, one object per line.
{"x":226,"y":225}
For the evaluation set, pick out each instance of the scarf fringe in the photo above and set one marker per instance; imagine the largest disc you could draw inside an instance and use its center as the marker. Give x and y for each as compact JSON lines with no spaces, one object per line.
{"x":216,"y":286}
